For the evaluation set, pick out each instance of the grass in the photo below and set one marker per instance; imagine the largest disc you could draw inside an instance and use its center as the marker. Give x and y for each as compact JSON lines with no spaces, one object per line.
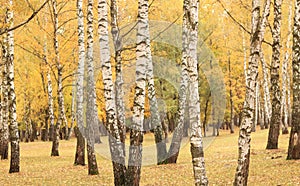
{"x":267,"y":167}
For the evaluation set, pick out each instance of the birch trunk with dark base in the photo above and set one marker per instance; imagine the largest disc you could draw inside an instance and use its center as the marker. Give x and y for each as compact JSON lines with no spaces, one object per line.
{"x":194,"y":106}
{"x":136,"y":128}
{"x":13,"y":127}
{"x":275,"y":89}
{"x":112,"y":108}
{"x":4,"y":132}
{"x":178,"y":133}
{"x":257,"y":36}
{"x":294,"y":143}
{"x":91,"y":115}
{"x":80,"y":129}
{"x":56,"y":135}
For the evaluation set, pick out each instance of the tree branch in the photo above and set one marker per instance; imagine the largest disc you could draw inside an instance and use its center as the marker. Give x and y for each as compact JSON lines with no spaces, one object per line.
{"x":26,"y":21}
{"x":238,"y":23}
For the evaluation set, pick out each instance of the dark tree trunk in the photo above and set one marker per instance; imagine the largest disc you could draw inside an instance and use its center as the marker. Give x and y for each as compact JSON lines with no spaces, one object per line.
{"x":171,"y":122}
{"x":4,"y":150}
{"x":51,"y":133}
{"x":33,"y":135}
{"x":205,"y":114}
{"x":294,"y":143}
{"x":230,"y":96}
{"x":55,"y":142}
{"x":275,"y":89}
{"x":92,"y":163}
{"x":80,"y":148}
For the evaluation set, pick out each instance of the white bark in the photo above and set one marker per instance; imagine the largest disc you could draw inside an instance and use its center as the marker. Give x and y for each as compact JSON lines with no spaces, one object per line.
{"x":267,"y":99}
{"x":80,"y":71}
{"x":116,"y":145}
{"x":117,"y":39}
{"x":136,"y":131}
{"x":257,"y":36}
{"x":194,"y":106}
{"x":275,"y":84}
{"x":91,"y":115}
{"x":13,"y":125}
{"x":285,"y":75}
{"x":4,"y":135}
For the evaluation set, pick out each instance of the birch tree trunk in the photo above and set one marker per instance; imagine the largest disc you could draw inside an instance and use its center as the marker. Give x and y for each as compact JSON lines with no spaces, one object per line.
{"x":155,"y":117}
{"x":253,"y":129}
{"x":285,"y":77}
{"x":79,"y":129}
{"x":245,"y":55}
{"x":294,"y":143}
{"x":289,"y":105}
{"x":267,"y":101}
{"x":119,"y":72}
{"x":136,"y":128}
{"x":4,"y":133}
{"x":12,"y":116}
{"x":50,"y":105}
{"x":257,"y":36}
{"x":194,"y":108}
{"x":91,"y":116}
{"x":275,"y":64}
{"x":178,"y":133}
{"x":230,"y":95}
{"x":116,"y":136}
{"x":55,"y":142}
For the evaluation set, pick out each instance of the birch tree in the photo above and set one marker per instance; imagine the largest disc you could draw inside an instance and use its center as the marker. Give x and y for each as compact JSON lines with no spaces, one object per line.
{"x":116,"y":145}
{"x":285,"y":77}
{"x":230,"y":95}
{"x":91,"y":115}
{"x":55,"y":143}
{"x":257,"y":36}
{"x":50,"y":105}
{"x":294,"y":143}
{"x":275,"y":88}
{"x":117,"y":39}
{"x":79,"y":129}
{"x":4,"y":132}
{"x":178,"y":133}
{"x":194,"y":108}
{"x":267,"y":99}
{"x":136,"y":128}
{"x":155,"y":116}
{"x":12,"y":116}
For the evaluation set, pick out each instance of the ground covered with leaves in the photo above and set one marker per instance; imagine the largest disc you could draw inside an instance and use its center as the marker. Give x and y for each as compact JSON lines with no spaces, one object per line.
{"x":267,"y":167}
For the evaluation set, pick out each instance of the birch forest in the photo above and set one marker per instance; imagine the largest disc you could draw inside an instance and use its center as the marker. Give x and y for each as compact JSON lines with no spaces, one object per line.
{"x":150,"y":92}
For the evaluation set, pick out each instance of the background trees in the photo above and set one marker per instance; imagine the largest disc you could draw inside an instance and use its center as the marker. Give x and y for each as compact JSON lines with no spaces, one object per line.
{"x":44,"y":94}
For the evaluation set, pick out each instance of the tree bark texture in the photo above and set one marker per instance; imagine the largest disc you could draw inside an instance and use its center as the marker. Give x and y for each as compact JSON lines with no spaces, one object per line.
{"x":80,"y":129}
{"x":294,"y":143}
{"x":12,"y":116}
{"x":91,"y":115}
{"x":4,"y":132}
{"x":275,"y":85}
{"x":116,"y":135}
{"x":257,"y":36}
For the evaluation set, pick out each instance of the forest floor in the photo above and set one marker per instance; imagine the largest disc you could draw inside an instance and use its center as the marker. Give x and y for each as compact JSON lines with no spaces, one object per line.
{"x":267,"y":167}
